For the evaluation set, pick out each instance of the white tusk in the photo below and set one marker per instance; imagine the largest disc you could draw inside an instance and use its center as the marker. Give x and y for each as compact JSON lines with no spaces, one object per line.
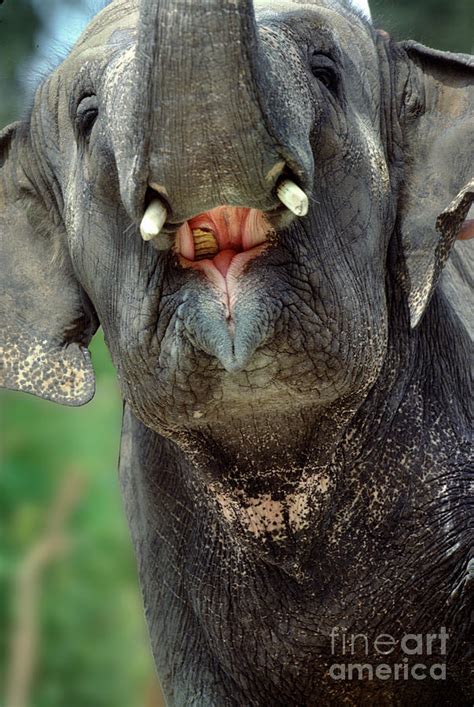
{"x":153,"y":220}
{"x":293,"y":197}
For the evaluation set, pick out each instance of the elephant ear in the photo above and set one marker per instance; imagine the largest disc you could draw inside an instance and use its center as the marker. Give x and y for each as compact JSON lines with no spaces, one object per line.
{"x":46,"y":319}
{"x":438,"y":141}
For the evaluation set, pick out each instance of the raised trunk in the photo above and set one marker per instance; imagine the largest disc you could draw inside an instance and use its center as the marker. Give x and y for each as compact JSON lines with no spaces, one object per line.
{"x":202,"y":97}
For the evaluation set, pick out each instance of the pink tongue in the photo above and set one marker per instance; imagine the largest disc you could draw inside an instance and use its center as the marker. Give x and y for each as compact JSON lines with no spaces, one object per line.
{"x":223,"y":260}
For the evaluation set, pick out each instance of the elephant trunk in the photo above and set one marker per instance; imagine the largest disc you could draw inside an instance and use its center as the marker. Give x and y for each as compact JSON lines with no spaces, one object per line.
{"x":202,"y":97}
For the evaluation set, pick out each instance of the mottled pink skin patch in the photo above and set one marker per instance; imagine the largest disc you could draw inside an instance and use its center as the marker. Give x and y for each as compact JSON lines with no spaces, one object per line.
{"x":241,"y":233}
{"x":467,"y":230}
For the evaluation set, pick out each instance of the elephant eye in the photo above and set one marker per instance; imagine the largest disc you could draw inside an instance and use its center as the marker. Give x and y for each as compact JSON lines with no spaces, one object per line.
{"x":86,"y":115}
{"x":324,"y":69}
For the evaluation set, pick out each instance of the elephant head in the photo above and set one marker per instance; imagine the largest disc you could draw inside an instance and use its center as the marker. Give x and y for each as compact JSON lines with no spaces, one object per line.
{"x":197,"y":119}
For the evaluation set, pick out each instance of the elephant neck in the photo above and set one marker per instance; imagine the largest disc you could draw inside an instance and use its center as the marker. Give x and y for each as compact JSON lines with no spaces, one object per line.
{"x":287,"y":484}
{"x":267,"y":452}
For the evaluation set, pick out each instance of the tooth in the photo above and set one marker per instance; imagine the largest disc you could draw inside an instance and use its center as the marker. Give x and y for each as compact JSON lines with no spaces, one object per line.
{"x":153,"y":220}
{"x":205,"y":243}
{"x":293,"y":197}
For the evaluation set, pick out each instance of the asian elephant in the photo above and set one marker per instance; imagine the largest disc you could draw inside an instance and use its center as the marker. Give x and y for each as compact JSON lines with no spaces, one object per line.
{"x":259,"y":204}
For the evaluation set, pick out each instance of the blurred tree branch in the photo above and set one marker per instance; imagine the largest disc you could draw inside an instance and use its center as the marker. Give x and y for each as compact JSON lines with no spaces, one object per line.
{"x":154,"y":696}
{"x":27,"y":589}
{"x":21,"y":23}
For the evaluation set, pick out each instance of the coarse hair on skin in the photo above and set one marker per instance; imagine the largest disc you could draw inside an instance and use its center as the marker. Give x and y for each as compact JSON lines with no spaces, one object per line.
{"x":48,"y":57}
{"x":347,"y":7}
{"x":355,"y":8}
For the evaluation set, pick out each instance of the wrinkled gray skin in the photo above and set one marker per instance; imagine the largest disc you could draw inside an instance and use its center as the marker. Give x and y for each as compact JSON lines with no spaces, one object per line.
{"x":305,"y":466}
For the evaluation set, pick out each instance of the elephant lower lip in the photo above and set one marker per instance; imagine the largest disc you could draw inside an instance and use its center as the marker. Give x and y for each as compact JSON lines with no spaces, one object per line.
{"x":224,"y":269}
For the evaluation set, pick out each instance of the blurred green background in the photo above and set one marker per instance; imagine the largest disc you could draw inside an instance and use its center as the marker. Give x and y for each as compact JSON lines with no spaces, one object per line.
{"x":71,"y":626}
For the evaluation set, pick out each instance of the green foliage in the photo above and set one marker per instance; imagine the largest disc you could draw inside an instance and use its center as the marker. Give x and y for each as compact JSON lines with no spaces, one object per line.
{"x":436,"y":23}
{"x":19,"y":24}
{"x":93,"y":649}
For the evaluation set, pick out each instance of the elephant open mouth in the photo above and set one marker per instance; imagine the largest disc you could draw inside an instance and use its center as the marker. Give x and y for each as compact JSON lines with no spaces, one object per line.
{"x":221,"y":242}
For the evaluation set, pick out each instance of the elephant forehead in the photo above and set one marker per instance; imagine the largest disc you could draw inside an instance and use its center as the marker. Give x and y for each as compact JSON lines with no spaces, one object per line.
{"x":120,"y":15}
{"x":291,"y":5}
{"x":332,"y":18}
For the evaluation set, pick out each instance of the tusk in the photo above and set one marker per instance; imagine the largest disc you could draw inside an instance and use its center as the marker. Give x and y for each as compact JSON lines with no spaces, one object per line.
{"x":293,"y":197}
{"x":153,"y":220}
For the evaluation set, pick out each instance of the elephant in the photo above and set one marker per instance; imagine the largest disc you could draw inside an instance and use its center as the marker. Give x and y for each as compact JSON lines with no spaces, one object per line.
{"x":265,"y":206}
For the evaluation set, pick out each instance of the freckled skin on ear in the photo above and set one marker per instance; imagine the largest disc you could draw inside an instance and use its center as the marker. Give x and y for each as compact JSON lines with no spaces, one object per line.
{"x":46,"y":319}
{"x":295,"y":450}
